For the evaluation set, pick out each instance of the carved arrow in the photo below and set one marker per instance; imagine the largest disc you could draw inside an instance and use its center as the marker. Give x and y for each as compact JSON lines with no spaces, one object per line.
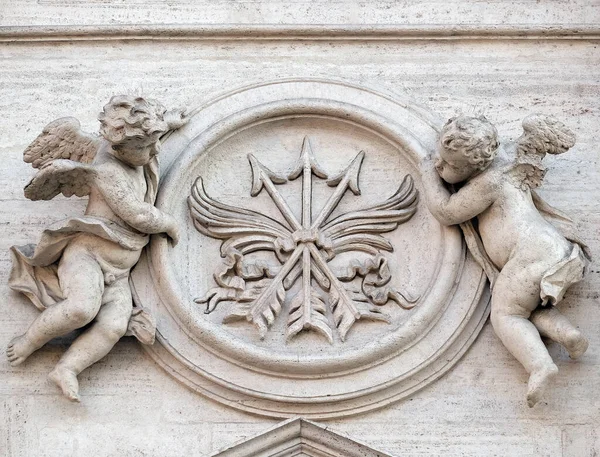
{"x":307,"y":165}
{"x":269,"y":302}
{"x":263,"y":311}
{"x":348,"y":179}
{"x":345,"y":310}
{"x":263,"y":177}
{"x":307,"y":310}
{"x":313,"y":241}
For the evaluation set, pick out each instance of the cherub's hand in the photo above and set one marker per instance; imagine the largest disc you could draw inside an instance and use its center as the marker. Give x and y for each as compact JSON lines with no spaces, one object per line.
{"x":174,"y":235}
{"x":427,"y":161}
{"x":432,"y":162}
{"x":428,"y":165}
{"x":172,"y":230}
{"x":176,"y":118}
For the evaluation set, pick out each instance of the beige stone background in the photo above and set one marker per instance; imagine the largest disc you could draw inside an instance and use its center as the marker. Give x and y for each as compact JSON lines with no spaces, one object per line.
{"x":130,"y":406}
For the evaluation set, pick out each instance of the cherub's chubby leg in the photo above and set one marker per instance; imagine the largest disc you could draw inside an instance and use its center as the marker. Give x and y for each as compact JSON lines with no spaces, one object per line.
{"x":108,"y":328}
{"x":554,"y":325}
{"x":82,"y":283}
{"x":514,"y":297}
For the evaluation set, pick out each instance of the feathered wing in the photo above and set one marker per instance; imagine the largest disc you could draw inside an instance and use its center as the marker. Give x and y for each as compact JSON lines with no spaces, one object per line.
{"x":541,"y":135}
{"x":62,"y":153}
{"x":240,"y":229}
{"x":360,"y":230}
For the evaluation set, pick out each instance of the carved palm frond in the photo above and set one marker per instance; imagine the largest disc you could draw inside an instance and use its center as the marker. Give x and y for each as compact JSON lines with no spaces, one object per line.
{"x":242,"y":229}
{"x":360,"y":230}
{"x":303,"y":247}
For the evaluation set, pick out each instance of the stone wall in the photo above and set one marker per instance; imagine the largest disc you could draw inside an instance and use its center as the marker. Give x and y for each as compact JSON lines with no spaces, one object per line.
{"x":506,"y":59}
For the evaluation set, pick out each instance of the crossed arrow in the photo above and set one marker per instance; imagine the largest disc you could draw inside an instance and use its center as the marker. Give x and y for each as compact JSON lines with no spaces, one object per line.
{"x":313,"y":264}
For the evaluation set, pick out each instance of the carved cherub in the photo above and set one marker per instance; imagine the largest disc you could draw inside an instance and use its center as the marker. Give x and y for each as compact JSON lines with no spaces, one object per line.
{"x":528,"y":249}
{"x":78,"y":274}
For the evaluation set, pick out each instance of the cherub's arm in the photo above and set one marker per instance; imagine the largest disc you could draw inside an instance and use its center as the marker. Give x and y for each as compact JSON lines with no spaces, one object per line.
{"x":450,"y":209}
{"x":116,"y":188}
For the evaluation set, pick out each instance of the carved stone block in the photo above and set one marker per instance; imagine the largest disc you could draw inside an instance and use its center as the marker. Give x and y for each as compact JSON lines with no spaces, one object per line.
{"x":310,"y":279}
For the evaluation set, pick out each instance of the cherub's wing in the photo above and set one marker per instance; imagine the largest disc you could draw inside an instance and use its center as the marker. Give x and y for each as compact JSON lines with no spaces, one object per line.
{"x":240,"y":229}
{"x":62,"y":153}
{"x":62,"y":139}
{"x":60,"y":176}
{"x":541,"y":135}
{"x":360,"y":230}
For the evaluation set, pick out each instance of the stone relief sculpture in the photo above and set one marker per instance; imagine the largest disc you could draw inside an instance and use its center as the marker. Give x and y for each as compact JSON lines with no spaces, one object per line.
{"x":292,"y":271}
{"x":311,"y":265}
{"x":528,"y":249}
{"x":78,"y":274}
{"x":304,"y":248}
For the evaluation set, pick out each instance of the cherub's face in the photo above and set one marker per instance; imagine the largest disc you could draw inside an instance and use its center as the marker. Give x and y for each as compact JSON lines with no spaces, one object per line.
{"x":453,"y":166}
{"x":136,"y":152}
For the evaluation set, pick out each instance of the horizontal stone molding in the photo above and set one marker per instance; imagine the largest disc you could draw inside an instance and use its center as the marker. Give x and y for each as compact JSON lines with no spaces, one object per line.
{"x":308,"y":32}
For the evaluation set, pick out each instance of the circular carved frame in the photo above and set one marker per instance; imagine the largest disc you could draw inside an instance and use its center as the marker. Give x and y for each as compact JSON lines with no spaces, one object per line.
{"x":281,"y":383}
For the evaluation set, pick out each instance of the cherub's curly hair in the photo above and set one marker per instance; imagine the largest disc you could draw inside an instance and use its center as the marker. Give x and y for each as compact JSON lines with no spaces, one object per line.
{"x":126,"y":117}
{"x":544,"y":135}
{"x":475,"y":136}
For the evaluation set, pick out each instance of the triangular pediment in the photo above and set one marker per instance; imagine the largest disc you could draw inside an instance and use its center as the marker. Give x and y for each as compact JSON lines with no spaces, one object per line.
{"x":300,"y":438}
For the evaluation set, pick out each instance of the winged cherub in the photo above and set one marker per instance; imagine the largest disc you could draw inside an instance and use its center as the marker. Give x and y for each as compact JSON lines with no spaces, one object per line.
{"x":528,"y":249}
{"x":79,"y":272}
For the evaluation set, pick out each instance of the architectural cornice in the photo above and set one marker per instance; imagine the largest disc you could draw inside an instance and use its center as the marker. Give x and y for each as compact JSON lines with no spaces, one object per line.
{"x":308,"y":32}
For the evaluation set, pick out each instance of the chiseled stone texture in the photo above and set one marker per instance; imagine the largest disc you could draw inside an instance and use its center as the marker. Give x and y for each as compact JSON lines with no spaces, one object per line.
{"x":131,"y":407}
{"x":451,"y":12}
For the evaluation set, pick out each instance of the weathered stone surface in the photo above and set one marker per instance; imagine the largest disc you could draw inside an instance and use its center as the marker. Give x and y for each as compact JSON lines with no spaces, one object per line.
{"x":78,"y":12}
{"x":387,"y":301}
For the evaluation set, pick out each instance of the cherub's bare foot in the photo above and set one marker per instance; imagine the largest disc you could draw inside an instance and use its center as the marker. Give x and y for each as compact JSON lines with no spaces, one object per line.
{"x":19,"y":349}
{"x":576,"y":344}
{"x":538,"y":381}
{"x":67,"y":381}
